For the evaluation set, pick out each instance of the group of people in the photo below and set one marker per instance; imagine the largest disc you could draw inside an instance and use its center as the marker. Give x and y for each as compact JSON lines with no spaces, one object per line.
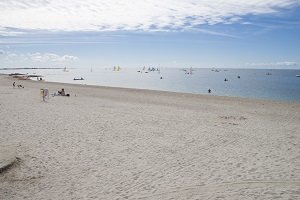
{"x":209,"y":90}
{"x":45,"y":93}
{"x":19,"y":86}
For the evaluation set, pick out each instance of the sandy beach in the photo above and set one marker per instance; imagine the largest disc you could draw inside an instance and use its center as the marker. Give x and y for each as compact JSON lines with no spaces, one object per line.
{"x":113,"y":143}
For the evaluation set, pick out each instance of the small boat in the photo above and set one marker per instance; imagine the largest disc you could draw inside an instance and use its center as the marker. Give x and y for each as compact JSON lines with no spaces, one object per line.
{"x":78,"y":79}
{"x":34,"y":76}
{"x":268,"y":74}
{"x":297,"y":75}
{"x":65,"y":70}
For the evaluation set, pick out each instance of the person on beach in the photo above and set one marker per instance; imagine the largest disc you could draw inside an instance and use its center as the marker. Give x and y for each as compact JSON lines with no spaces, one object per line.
{"x":14,"y":84}
{"x":62,"y":93}
{"x":209,"y":90}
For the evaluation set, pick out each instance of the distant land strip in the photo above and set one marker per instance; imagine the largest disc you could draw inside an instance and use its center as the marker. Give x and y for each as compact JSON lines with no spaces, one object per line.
{"x":34,"y":68}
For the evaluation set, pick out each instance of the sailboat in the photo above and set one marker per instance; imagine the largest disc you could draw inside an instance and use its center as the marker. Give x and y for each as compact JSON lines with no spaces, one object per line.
{"x":117,"y":68}
{"x":65,"y":70}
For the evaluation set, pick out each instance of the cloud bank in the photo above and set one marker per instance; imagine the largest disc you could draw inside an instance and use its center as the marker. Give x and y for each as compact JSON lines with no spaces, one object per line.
{"x":50,"y":57}
{"x":131,"y":15}
{"x":36,"y":57}
{"x":283,"y":63}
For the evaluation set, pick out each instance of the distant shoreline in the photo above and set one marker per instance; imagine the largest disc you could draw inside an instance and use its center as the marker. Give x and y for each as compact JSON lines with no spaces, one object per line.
{"x":220,"y":68}
{"x":18,"y":68}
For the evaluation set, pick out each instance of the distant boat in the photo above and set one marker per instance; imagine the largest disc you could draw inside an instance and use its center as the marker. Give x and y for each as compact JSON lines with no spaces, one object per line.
{"x":65,"y":70}
{"x":117,"y":68}
{"x":78,"y":79}
{"x":268,"y":74}
{"x":297,"y":75}
{"x":189,"y":71}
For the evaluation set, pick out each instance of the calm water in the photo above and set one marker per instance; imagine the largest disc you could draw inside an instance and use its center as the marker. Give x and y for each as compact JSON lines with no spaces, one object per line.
{"x":281,"y":85}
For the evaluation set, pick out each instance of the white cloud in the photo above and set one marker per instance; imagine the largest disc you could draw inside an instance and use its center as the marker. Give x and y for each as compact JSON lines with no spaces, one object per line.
{"x":11,"y":56}
{"x":8,"y":32}
{"x":146,"y":15}
{"x":37,"y":57}
{"x":50,"y":57}
{"x":7,"y":55}
{"x":283,"y":63}
{"x":69,"y":58}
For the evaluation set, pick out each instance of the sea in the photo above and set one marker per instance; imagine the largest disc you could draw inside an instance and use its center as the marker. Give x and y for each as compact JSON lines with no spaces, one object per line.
{"x":268,"y":84}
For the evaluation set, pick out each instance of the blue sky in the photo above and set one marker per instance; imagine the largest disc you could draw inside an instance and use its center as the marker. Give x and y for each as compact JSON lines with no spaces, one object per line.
{"x":166,"y":33}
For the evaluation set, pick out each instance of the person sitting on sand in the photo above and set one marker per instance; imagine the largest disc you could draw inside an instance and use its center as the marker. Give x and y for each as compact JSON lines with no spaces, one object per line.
{"x":63,"y":93}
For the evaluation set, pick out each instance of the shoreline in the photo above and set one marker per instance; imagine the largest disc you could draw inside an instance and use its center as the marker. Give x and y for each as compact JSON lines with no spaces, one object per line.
{"x":208,"y":96}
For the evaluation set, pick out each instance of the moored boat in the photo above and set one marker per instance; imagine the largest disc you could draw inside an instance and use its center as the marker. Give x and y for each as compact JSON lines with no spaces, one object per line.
{"x":78,"y":79}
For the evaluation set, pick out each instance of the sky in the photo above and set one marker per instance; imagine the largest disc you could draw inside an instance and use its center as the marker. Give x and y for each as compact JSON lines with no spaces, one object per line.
{"x":159,"y":33}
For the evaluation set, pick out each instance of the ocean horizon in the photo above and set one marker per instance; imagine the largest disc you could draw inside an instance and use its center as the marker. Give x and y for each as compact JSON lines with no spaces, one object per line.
{"x":268,"y":84}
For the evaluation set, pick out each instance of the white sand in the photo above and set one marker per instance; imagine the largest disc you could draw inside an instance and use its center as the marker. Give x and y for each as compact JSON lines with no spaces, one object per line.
{"x":110,"y":143}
